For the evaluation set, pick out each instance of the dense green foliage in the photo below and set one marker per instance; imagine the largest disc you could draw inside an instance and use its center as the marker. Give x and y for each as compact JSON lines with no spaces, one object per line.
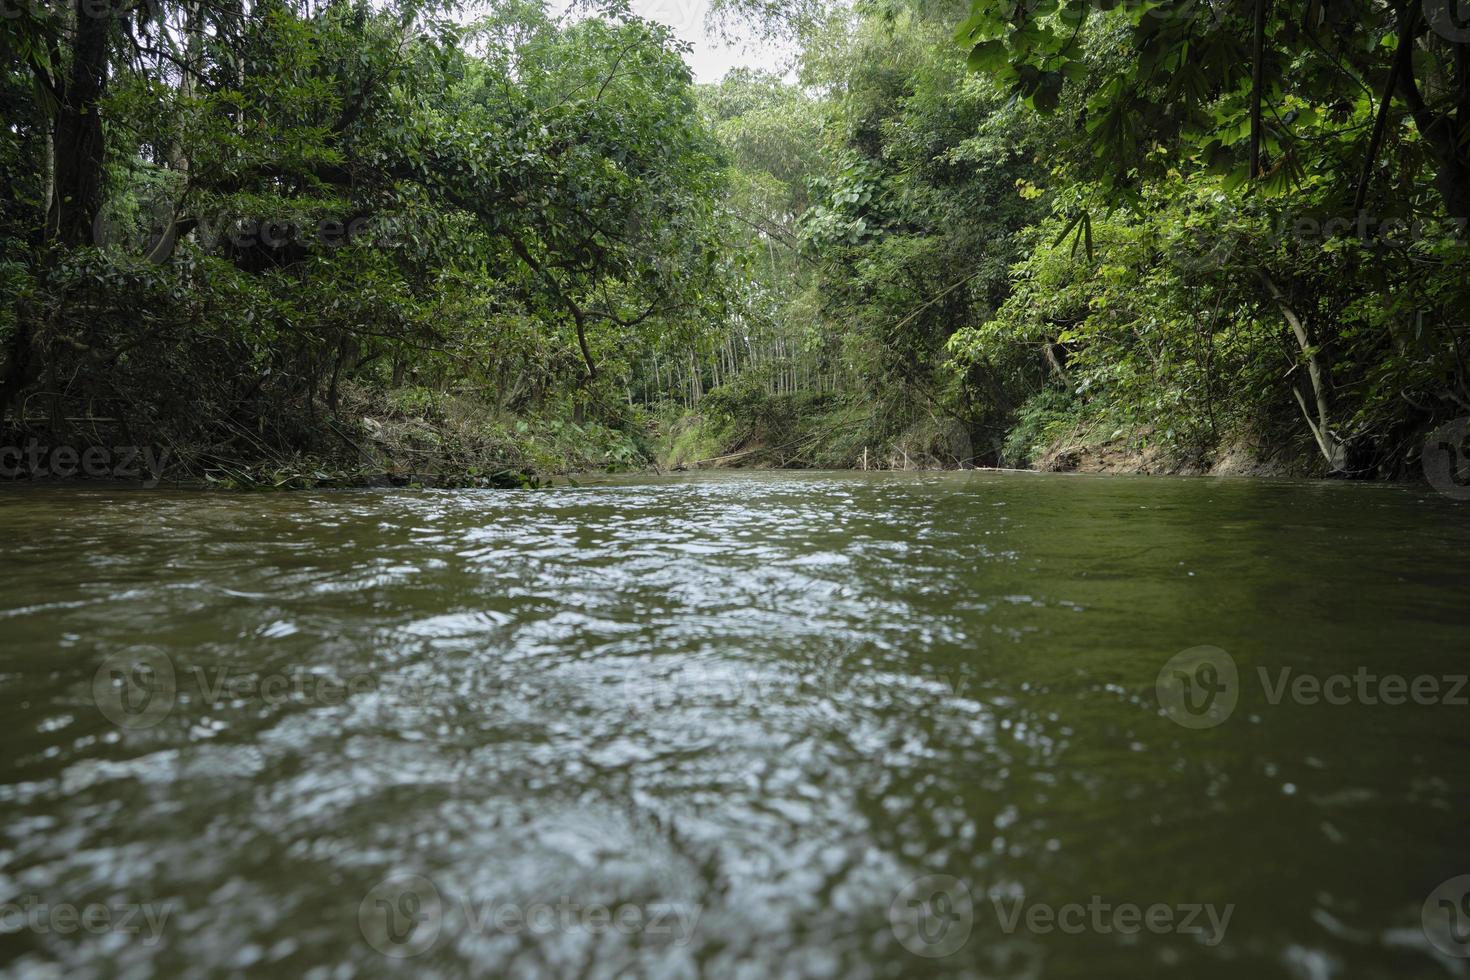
{"x":296,"y":238}
{"x":1070,"y":253}
{"x":297,"y":206}
{"x":1273,"y":201}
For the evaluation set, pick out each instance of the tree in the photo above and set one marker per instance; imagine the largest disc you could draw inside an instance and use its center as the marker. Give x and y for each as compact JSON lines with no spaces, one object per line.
{"x":1266,"y":93}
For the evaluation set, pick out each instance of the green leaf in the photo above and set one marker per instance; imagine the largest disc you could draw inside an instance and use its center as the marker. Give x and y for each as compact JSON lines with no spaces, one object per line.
{"x":988,"y":56}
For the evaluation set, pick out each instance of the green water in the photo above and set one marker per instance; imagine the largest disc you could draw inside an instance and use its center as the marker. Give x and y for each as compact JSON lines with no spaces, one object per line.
{"x":716,"y":726}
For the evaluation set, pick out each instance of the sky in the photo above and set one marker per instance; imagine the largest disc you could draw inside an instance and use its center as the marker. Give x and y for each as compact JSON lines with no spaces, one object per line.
{"x":711,"y":56}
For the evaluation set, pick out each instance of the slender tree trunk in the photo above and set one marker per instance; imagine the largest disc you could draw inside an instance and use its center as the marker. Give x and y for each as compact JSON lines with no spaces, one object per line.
{"x":1402,"y":56}
{"x":48,"y":199}
{"x":1334,"y":451}
{"x":1258,"y":73}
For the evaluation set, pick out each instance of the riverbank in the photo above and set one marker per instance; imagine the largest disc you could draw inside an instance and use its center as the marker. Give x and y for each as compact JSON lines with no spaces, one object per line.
{"x":839,"y":436}
{"x":1088,"y":451}
{"x":405,"y":437}
{"x":418,"y":438}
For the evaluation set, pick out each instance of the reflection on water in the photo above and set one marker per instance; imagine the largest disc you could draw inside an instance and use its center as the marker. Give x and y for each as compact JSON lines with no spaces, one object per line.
{"x":720,"y":726}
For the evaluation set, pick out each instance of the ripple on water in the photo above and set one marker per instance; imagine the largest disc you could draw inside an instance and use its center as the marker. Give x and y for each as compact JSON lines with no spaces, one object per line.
{"x":765,"y":702}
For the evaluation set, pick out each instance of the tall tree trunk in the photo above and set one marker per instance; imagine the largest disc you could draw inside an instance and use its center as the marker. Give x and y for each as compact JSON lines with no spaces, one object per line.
{"x":78,"y":142}
{"x":74,"y":156}
{"x":1442,"y":131}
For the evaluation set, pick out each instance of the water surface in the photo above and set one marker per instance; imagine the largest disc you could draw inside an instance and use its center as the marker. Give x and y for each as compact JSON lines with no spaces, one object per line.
{"x":751,"y":708}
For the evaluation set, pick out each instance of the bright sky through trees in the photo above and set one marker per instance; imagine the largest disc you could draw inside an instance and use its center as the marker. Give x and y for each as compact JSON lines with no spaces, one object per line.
{"x":712,"y":56}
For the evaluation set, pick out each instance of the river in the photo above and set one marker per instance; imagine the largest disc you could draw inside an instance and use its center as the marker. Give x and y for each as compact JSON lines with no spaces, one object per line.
{"x":751,"y":724}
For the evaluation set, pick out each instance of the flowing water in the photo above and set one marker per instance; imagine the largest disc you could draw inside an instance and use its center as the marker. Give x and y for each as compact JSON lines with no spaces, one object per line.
{"x":966,"y":724}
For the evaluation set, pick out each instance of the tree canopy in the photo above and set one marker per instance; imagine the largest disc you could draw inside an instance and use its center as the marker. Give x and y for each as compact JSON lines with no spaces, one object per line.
{"x":990,"y":233}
